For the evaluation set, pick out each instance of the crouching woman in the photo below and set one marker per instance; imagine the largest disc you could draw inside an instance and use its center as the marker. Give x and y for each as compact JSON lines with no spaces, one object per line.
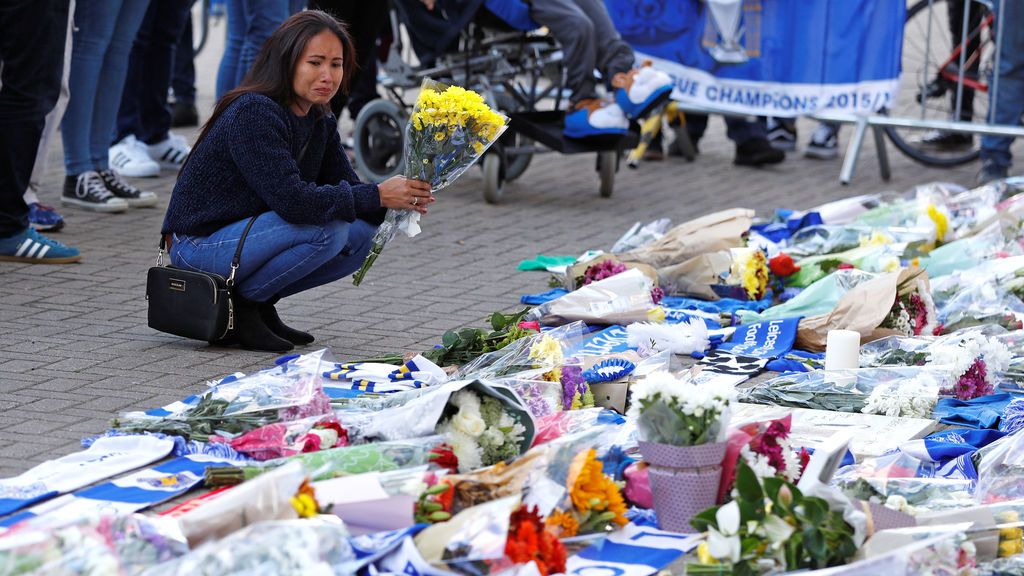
{"x":271,"y":150}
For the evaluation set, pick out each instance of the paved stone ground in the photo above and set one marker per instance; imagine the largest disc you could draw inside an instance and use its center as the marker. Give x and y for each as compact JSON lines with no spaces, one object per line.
{"x":74,"y":345}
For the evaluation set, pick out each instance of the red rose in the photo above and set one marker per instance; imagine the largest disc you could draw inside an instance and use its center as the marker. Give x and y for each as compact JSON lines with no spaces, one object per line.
{"x":783,"y":265}
{"x":535,"y":326}
{"x":844,"y":266}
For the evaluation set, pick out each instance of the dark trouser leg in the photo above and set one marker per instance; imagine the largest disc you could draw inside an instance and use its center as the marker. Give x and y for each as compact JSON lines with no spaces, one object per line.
{"x":32,"y":36}
{"x":614,"y":55}
{"x":365,"y":21}
{"x":149,"y":73}
{"x":576,"y":33}
{"x":184,"y":80}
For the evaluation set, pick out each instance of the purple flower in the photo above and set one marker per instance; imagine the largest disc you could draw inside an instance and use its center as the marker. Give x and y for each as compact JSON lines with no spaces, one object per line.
{"x":572,"y":382}
{"x":657,"y":294}
{"x":973,"y":383}
{"x":602,"y":270}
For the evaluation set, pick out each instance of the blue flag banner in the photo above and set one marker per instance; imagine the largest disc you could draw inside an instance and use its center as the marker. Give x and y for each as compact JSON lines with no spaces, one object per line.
{"x":768,"y":339}
{"x":780,"y":58}
{"x":611,"y":340}
{"x":633,"y":551}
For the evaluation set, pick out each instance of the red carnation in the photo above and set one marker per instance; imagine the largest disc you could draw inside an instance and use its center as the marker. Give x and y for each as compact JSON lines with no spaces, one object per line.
{"x":783,"y":265}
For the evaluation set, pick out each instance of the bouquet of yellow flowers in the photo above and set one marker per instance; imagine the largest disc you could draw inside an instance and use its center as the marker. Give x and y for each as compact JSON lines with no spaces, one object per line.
{"x":450,"y":128}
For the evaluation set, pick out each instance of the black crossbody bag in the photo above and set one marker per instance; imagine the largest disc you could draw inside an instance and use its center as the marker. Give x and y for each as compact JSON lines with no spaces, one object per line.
{"x":192,"y":304}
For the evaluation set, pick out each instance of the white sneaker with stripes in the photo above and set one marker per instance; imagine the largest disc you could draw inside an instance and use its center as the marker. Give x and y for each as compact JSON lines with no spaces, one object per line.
{"x":131,"y":158}
{"x":171,"y":153}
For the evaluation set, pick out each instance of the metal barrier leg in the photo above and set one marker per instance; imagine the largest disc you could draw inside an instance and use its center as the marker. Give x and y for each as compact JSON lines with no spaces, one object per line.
{"x":853,"y":151}
{"x":883,"y":154}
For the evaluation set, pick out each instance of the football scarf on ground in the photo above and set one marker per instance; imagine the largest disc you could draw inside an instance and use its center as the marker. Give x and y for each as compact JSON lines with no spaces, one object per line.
{"x":768,"y":339}
{"x":383,"y":378}
{"x":107,"y":457}
{"x":949,"y":452}
{"x":634,"y":551}
{"x":131,"y":493}
{"x":721,"y":362}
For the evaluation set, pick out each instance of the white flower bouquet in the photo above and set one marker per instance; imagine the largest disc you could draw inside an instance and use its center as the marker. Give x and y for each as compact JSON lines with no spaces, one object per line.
{"x":481,"y":432}
{"x":678,"y":413}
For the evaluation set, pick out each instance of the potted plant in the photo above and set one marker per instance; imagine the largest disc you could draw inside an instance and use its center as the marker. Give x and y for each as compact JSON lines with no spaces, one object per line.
{"x":682,"y":428}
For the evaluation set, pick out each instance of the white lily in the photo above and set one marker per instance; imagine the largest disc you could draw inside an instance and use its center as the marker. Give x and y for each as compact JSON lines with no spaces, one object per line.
{"x":776,"y":529}
{"x":724,"y":543}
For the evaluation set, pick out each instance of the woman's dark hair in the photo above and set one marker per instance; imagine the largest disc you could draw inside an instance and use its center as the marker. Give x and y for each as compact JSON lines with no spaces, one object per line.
{"x":274,"y":68}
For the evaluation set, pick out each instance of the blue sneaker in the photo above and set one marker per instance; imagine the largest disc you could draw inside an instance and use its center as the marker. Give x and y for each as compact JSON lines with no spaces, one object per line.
{"x":594,"y":117}
{"x":31,"y":247}
{"x":641,"y":90}
{"x":44,"y":218}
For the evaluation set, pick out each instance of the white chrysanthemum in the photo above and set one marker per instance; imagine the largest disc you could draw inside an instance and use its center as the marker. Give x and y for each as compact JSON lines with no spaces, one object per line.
{"x":997,"y":358}
{"x":758,"y":463}
{"x":912,"y":398}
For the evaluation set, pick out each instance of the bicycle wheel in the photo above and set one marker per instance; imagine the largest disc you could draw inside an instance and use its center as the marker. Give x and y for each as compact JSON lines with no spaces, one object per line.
{"x":929,"y":83}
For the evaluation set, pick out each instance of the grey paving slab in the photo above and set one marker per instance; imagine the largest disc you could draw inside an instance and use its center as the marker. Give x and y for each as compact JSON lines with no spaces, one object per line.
{"x":75,"y":350}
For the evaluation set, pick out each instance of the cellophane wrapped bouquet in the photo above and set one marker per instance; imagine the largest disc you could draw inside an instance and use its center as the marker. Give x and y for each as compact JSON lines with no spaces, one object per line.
{"x":450,"y":128}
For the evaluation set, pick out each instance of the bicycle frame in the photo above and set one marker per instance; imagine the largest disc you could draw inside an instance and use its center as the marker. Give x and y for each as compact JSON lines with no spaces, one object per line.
{"x":950,"y":69}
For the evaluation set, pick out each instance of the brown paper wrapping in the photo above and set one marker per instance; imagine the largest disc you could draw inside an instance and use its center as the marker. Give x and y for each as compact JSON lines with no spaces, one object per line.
{"x":712,"y":233}
{"x":861,"y":309}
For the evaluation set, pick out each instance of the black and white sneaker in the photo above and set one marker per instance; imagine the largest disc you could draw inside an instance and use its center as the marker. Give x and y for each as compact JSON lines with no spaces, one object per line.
{"x":781,"y":134}
{"x":824,"y":144}
{"x":88,"y":191}
{"x":133,"y":196}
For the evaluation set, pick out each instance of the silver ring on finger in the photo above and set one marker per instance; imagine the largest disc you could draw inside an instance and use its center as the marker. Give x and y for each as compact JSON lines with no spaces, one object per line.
{"x":415,"y":201}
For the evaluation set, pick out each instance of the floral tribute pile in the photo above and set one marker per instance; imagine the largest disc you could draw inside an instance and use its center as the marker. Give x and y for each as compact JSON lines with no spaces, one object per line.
{"x":665,"y":407}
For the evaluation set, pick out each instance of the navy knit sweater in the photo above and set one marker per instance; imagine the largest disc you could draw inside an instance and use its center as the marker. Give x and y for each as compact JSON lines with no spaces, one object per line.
{"x":246,"y":166}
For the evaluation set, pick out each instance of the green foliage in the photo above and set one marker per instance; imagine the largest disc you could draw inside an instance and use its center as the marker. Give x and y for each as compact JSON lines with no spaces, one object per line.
{"x":465,"y":344}
{"x":820,"y":537}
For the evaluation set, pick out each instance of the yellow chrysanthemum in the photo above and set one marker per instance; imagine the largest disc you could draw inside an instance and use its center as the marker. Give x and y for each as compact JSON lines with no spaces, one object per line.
{"x":751,"y":267}
{"x":592,"y":490}
{"x":940,"y":220}
{"x":547,"y":351}
{"x":478,"y":148}
{"x":563,"y":524}
{"x":656,"y":314}
{"x":440,"y":135}
{"x":877,"y":238}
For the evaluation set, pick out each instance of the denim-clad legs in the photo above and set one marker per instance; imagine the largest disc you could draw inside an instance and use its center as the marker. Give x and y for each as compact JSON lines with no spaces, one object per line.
{"x":279,"y":258}
{"x":250,"y":23}
{"x":99,"y":66}
{"x":144,"y":112}
{"x":1008,"y":105}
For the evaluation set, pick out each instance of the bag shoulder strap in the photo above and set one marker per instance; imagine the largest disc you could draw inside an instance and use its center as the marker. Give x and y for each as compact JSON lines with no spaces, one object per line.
{"x":235,"y":260}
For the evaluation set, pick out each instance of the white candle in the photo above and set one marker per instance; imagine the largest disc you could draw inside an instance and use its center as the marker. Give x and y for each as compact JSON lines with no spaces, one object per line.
{"x":842,"y":350}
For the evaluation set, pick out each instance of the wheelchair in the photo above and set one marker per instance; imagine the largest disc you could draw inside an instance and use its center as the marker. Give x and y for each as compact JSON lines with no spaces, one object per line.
{"x":501,"y":54}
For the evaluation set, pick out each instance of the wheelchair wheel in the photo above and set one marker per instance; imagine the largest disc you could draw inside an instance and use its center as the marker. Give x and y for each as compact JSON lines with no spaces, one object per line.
{"x":379,"y":140}
{"x":517,"y":164}
{"x":607,"y":165}
{"x":494,"y":181}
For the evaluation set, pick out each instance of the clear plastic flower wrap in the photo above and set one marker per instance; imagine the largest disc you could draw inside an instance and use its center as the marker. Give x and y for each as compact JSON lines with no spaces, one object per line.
{"x":918,"y":350}
{"x":968,"y":252}
{"x":620,"y":299}
{"x":289,"y":391}
{"x":542,"y":397}
{"x":270,"y":548}
{"x":967,"y":208}
{"x":450,"y":128}
{"x":97,"y":545}
{"x":825,"y":239}
{"x":903,"y":483}
{"x":544,"y":350}
{"x":1000,"y":468}
{"x":836,"y":390}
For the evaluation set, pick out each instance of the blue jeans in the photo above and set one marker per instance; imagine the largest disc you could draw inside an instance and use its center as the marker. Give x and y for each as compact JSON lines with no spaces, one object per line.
{"x":279,"y":258}
{"x":1008,"y":105}
{"x":100,"y":47}
{"x":144,"y":111}
{"x":250,"y":23}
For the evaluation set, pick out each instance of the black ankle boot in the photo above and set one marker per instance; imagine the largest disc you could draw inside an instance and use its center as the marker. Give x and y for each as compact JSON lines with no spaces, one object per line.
{"x":273,"y":321}
{"x":250,"y":330}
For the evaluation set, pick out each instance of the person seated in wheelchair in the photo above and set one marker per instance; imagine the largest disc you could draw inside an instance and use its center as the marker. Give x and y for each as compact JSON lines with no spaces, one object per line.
{"x":271,"y":150}
{"x":590,"y":42}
